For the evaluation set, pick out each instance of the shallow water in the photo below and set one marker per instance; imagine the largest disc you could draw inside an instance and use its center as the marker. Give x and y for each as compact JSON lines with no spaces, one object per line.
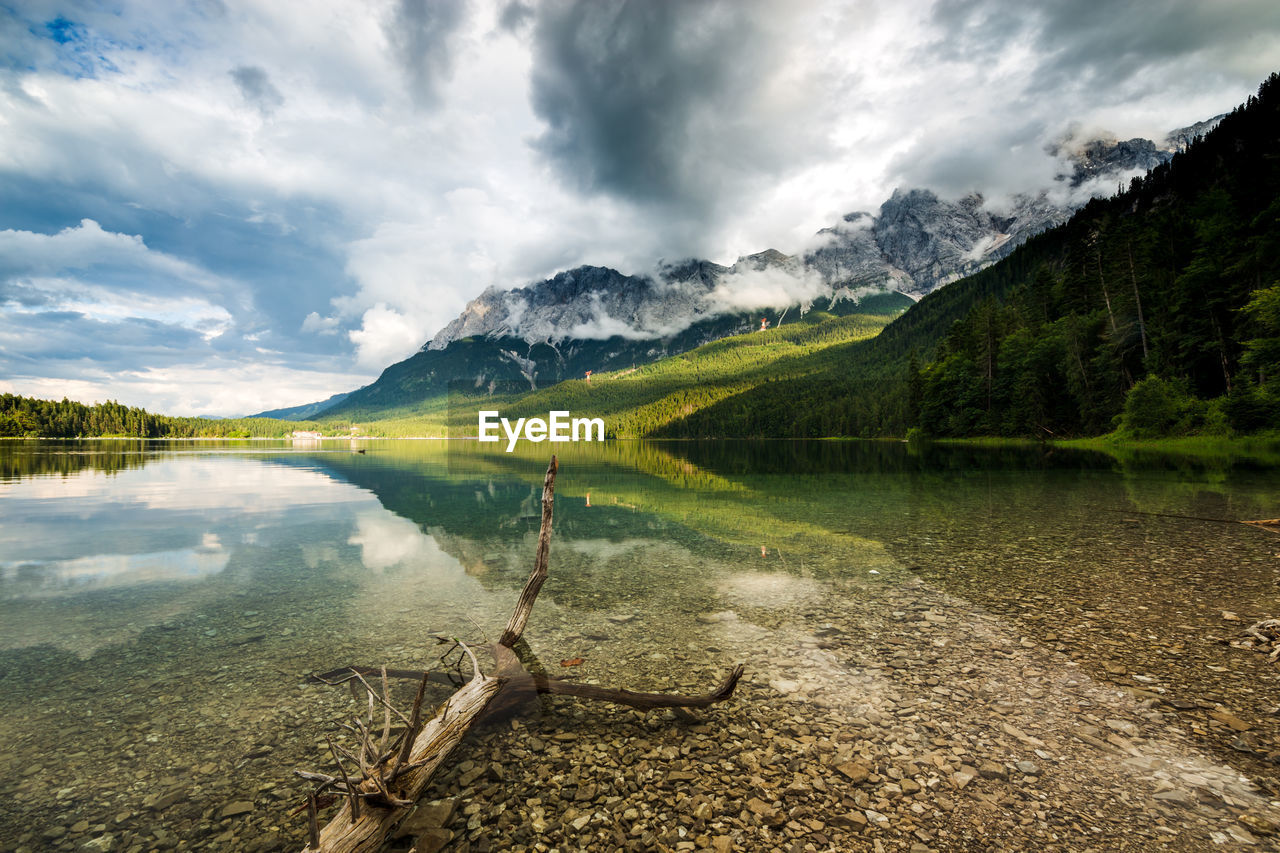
{"x":162,"y":603}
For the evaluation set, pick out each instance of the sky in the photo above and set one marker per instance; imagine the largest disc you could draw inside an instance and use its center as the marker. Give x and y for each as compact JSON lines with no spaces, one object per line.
{"x":224,"y":206}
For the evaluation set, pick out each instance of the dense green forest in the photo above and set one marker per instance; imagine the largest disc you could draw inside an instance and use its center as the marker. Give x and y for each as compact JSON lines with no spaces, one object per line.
{"x":1156,"y":311}
{"x":26,"y":416}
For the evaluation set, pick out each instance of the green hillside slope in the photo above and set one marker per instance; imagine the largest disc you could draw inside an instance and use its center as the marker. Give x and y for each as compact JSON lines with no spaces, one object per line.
{"x":416,"y":389}
{"x":641,"y":401}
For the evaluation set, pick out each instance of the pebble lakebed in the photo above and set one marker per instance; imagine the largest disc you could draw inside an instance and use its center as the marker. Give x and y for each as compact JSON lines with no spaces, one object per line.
{"x":878,"y":713}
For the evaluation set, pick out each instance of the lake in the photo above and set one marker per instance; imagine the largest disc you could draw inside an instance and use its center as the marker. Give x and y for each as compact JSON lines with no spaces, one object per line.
{"x":947,"y":648}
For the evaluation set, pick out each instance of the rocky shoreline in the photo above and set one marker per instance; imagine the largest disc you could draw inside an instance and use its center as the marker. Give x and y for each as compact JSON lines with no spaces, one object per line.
{"x":878,"y":713}
{"x":918,"y":727}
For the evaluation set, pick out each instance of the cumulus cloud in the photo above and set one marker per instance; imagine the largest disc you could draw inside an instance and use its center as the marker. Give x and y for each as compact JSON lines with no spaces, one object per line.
{"x":100,"y":314}
{"x":87,"y":248}
{"x":86,"y":272}
{"x":313,"y":322}
{"x":385,"y":336}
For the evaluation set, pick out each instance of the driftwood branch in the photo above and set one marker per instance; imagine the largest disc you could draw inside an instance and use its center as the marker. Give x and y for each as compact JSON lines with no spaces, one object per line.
{"x":642,"y":701}
{"x":395,"y":770}
{"x":520,"y":617}
{"x":554,"y":686}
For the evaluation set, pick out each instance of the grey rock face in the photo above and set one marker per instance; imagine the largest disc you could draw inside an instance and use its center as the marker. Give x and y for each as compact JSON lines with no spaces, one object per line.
{"x":920,"y":242}
{"x":598,"y":302}
{"x":1102,"y":157}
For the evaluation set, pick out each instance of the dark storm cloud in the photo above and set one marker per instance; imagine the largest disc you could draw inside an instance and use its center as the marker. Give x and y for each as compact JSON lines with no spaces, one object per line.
{"x":419,"y":32}
{"x":256,"y":88}
{"x":514,"y":16}
{"x":1100,"y":41}
{"x":662,"y":102}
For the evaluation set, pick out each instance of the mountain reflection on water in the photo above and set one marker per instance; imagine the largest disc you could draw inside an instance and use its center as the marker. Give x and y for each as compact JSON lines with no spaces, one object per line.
{"x":126,"y":566}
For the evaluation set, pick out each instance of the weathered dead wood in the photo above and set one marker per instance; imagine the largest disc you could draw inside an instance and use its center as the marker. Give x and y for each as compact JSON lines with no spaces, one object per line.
{"x":554,"y":686}
{"x":394,"y":771}
{"x":1269,"y":524}
{"x":520,"y":617}
{"x":348,"y":833}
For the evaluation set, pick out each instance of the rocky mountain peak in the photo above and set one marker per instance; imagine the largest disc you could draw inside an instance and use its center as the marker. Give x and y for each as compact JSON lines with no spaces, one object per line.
{"x":916,"y":241}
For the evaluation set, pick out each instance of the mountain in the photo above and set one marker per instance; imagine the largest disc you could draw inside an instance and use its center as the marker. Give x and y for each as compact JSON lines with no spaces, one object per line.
{"x":500,"y":364}
{"x":304,"y":412}
{"x":1107,"y":156}
{"x":596,"y":319}
{"x":919,"y":242}
{"x":594,"y":303}
{"x":1155,"y":311}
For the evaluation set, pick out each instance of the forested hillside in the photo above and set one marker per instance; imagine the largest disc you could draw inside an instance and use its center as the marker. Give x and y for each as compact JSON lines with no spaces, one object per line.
{"x":27,"y":416}
{"x":1156,"y":310}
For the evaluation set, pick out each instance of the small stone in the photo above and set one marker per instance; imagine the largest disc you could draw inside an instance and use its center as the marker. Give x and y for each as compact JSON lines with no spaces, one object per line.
{"x":54,"y":832}
{"x":1259,"y":824}
{"x":766,"y":812}
{"x":852,"y":820}
{"x":722,"y":616}
{"x":877,"y":818}
{"x":1028,"y":767}
{"x":722,"y":844}
{"x":163,"y":801}
{"x":991,"y":770}
{"x":432,"y":840}
{"x":1176,"y":796}
{"x":240,"y":807}
{"x":80,"y":826}
{"x":1124,"y":727}
{"x":856,"y":771}
{"x":1018,"y":733}
{"x":1224,"y":716}
{"x":434,"y":815}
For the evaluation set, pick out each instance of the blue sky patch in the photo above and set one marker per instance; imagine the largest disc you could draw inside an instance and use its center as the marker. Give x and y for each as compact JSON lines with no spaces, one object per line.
{"x":63,"y":31}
